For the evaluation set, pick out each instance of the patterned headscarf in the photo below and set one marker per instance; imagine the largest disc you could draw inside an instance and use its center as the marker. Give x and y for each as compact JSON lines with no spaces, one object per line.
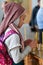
{"x":12,"y":12}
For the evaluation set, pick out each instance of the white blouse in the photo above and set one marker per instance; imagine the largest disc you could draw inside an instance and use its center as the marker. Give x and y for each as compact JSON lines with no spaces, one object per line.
{"x":13,"y":42}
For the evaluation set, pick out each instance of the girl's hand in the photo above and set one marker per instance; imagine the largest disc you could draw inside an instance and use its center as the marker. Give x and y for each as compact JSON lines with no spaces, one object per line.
{"x":33,"y":44}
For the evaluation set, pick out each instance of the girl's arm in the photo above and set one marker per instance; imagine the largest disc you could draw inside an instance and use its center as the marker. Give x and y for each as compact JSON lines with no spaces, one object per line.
{"x":13,"y":43}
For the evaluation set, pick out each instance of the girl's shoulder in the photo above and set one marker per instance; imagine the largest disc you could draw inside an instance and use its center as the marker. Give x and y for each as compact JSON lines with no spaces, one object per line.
{"x":12,"y":34}
{"x":8,"y":29}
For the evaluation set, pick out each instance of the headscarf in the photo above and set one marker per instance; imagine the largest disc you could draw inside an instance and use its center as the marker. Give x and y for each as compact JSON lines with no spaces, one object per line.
{"x":12,"y":12}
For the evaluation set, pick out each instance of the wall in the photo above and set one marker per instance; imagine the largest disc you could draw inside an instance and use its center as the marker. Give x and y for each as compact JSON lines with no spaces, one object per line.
{"x":34,"y":3}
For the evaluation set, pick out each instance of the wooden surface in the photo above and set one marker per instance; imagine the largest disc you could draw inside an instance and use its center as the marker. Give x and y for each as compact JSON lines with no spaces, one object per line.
{"x":35,"y":58}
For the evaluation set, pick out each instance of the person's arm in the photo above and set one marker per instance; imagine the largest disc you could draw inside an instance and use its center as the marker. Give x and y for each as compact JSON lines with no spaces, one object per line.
{"x":14,"y":49}
{"x":17,"y":56}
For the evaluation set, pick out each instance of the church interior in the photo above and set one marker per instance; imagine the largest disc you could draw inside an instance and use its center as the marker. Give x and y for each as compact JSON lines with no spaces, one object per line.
{"x":35,"y":57}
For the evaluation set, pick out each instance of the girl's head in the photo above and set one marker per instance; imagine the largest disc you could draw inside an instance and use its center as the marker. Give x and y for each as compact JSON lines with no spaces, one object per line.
{"x":18,"y":20}
{"x":12,"y":11}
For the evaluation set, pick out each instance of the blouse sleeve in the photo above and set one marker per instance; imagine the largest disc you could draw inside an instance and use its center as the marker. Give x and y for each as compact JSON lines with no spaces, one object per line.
{"x":14,"y":48}
{"x":13,"y":41}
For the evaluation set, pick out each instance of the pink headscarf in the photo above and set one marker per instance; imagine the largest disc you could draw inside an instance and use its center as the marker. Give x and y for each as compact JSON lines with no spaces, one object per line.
{"x":12,"y":12}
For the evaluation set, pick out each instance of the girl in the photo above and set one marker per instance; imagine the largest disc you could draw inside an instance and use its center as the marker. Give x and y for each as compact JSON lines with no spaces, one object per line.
{"x":12,"y":12}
